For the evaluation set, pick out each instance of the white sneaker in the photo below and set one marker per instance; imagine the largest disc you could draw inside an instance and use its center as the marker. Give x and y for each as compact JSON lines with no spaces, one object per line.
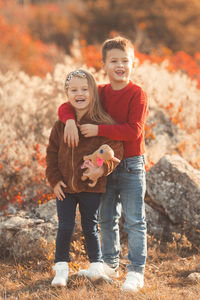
{"x":95,"y":271}
{"x":134,"y":281}
{"x":62,"y":270}
{"x":111,"y":272}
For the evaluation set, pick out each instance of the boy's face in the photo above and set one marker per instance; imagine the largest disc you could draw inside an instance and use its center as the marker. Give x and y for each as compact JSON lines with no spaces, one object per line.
{"x":118,"y":66}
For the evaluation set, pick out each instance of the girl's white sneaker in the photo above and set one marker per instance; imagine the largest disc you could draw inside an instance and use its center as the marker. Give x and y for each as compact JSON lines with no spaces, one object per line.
{"x":61,"y":277}
{"x":111,"y":272}
{"x":95,"y":271}
{"x":134,"y":281}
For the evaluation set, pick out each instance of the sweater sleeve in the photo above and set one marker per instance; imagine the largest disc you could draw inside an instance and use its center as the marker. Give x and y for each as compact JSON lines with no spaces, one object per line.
{"x":134,"y":127}
{"x":66,"y":112}
{"x":52,"y":171}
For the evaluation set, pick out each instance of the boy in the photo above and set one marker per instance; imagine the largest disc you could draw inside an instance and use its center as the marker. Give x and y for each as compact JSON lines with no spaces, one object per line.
{"x":126,"y":186}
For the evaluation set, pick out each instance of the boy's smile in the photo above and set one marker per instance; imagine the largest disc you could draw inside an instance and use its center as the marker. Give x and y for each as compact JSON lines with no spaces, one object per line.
{"x":118,"y":66}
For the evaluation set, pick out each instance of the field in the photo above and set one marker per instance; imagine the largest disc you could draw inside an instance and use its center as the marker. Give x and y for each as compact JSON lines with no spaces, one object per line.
{"x":166,"y":277}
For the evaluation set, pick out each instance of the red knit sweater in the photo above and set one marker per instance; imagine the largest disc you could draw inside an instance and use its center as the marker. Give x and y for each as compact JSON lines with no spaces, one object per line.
{"x":129,"y":108}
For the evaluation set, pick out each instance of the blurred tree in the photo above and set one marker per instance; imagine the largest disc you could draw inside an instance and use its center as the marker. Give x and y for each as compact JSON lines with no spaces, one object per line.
{"x":174,"y":24}
{"x":51,"y":24}
{"x":149,"y":24}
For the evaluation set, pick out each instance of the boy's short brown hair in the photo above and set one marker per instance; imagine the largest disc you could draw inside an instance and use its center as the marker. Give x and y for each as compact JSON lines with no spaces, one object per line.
{"x":116,"y":43}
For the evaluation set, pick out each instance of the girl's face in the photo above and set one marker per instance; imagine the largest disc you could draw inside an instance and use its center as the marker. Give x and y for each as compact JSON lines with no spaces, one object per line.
{"x":78,"y":94}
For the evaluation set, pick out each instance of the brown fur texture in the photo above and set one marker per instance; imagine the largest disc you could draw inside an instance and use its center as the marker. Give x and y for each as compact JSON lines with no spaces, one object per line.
{"x":102,"y":155}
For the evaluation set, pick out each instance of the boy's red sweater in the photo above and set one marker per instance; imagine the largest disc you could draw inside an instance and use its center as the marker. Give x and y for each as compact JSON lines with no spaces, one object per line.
{"x":129,"y":108}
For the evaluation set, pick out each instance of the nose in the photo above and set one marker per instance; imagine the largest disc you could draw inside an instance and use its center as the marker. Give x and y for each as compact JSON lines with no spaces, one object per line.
{"x":120,"y":63}
{"x":79,"y":92}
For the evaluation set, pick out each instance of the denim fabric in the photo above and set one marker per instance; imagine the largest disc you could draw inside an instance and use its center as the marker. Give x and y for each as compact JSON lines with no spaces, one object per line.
{"x":125,"y":191}
{"x":66,"y":209}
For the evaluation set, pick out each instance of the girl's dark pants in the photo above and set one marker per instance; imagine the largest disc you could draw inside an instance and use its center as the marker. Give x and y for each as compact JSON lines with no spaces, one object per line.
{"x":66,"y":209}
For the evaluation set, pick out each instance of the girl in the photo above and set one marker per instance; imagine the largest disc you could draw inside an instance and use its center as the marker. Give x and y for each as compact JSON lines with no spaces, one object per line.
{"x":64,"y":175}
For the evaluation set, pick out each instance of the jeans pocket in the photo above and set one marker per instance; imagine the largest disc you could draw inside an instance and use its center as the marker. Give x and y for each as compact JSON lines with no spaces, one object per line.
{"x":135,"y":167}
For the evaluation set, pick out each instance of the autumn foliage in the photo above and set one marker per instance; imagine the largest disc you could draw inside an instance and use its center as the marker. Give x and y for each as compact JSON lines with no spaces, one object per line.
{"x":29,"y":103}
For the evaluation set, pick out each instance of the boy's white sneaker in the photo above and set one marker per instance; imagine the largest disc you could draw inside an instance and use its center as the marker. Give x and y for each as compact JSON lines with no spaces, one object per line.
{"x":134,"y":281}
{"x":111,"y":272}
{"x":95,"y":271}
{"x":61,"y":277}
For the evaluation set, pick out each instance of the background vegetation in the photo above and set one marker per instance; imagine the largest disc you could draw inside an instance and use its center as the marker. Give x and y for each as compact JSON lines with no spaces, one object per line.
{"x":40,"y":42}
{"x":35,"y":33}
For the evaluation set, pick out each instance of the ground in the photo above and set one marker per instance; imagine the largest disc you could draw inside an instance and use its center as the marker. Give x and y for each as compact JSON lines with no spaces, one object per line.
{"x":165,"y":277}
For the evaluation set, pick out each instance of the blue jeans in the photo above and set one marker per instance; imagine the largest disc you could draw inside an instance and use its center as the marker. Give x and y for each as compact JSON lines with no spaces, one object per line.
{"x":125,"y":190}
{"x":66,"y":209}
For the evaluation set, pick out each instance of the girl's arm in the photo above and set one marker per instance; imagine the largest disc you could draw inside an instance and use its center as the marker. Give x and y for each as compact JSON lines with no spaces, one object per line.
{"x":66,"y":114}
{"x":52,"y":171}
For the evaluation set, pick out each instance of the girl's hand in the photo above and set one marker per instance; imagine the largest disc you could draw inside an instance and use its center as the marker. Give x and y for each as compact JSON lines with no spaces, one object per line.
{"x":89,"y":130}
{"x":58,"y":190}
{"x":71,"y":136}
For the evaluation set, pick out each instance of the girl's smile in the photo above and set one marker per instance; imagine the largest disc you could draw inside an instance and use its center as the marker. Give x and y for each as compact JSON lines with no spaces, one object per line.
{"x":78,"y":94}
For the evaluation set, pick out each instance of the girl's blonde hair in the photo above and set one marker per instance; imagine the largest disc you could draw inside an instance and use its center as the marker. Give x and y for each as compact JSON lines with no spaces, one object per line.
{"x":95,"y":112}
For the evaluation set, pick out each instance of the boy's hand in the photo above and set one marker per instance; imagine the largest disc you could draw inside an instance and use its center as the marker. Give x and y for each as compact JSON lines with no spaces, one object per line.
{"x":71,"y":136}
{"x":58,"y":190}
{"x":89,"y":130}
{"x":93,"y":173}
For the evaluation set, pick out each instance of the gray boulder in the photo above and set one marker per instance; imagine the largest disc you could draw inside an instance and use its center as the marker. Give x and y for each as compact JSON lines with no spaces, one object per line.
{"x":173,"y":186}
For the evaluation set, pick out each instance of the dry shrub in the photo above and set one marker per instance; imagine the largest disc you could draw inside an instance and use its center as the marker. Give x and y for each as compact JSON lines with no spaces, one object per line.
{"x":28,"y":109}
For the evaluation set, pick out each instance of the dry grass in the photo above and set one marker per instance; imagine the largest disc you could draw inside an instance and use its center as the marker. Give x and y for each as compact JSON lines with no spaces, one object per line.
{"x":165,"y":278}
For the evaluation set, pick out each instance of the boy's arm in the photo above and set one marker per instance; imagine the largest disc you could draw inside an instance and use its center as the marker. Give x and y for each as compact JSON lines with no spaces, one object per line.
{"x":128,"y":131}
{"x":66,"y":114}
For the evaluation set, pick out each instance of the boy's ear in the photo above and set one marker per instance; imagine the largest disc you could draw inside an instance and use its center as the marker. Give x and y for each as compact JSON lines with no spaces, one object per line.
{"x":103,"y":66}
{"x":134,"y":65}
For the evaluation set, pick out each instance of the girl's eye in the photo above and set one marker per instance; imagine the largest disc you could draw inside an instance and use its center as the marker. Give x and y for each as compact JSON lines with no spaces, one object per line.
{"x":85,"y":89}
{"x":113,"y":61}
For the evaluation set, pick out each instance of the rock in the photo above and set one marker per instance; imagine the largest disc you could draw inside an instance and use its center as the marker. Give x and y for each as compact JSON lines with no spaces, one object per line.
{"x":164,"y":138}
{"x":15,"y":223}
{"x":23,"y":237}
{"x":194,"y":277}
{"x":174,"y":189}
{"x":32,"y":234}
{"x":47,"y":211}
{"x":158,"y":224}
{"x":198,"y":268}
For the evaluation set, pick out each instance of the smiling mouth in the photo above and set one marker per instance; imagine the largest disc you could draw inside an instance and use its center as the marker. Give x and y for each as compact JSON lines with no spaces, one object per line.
{"x":80,"y":100}
{"x":120,"y":73}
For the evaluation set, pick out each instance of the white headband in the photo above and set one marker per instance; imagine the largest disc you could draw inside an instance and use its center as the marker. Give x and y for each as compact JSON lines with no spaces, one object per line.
{"x":78,"y":73}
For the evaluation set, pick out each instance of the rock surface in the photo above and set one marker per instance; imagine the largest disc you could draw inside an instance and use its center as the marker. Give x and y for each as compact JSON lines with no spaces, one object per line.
{"x":173,"y":187}
{"x":172,"y":202}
